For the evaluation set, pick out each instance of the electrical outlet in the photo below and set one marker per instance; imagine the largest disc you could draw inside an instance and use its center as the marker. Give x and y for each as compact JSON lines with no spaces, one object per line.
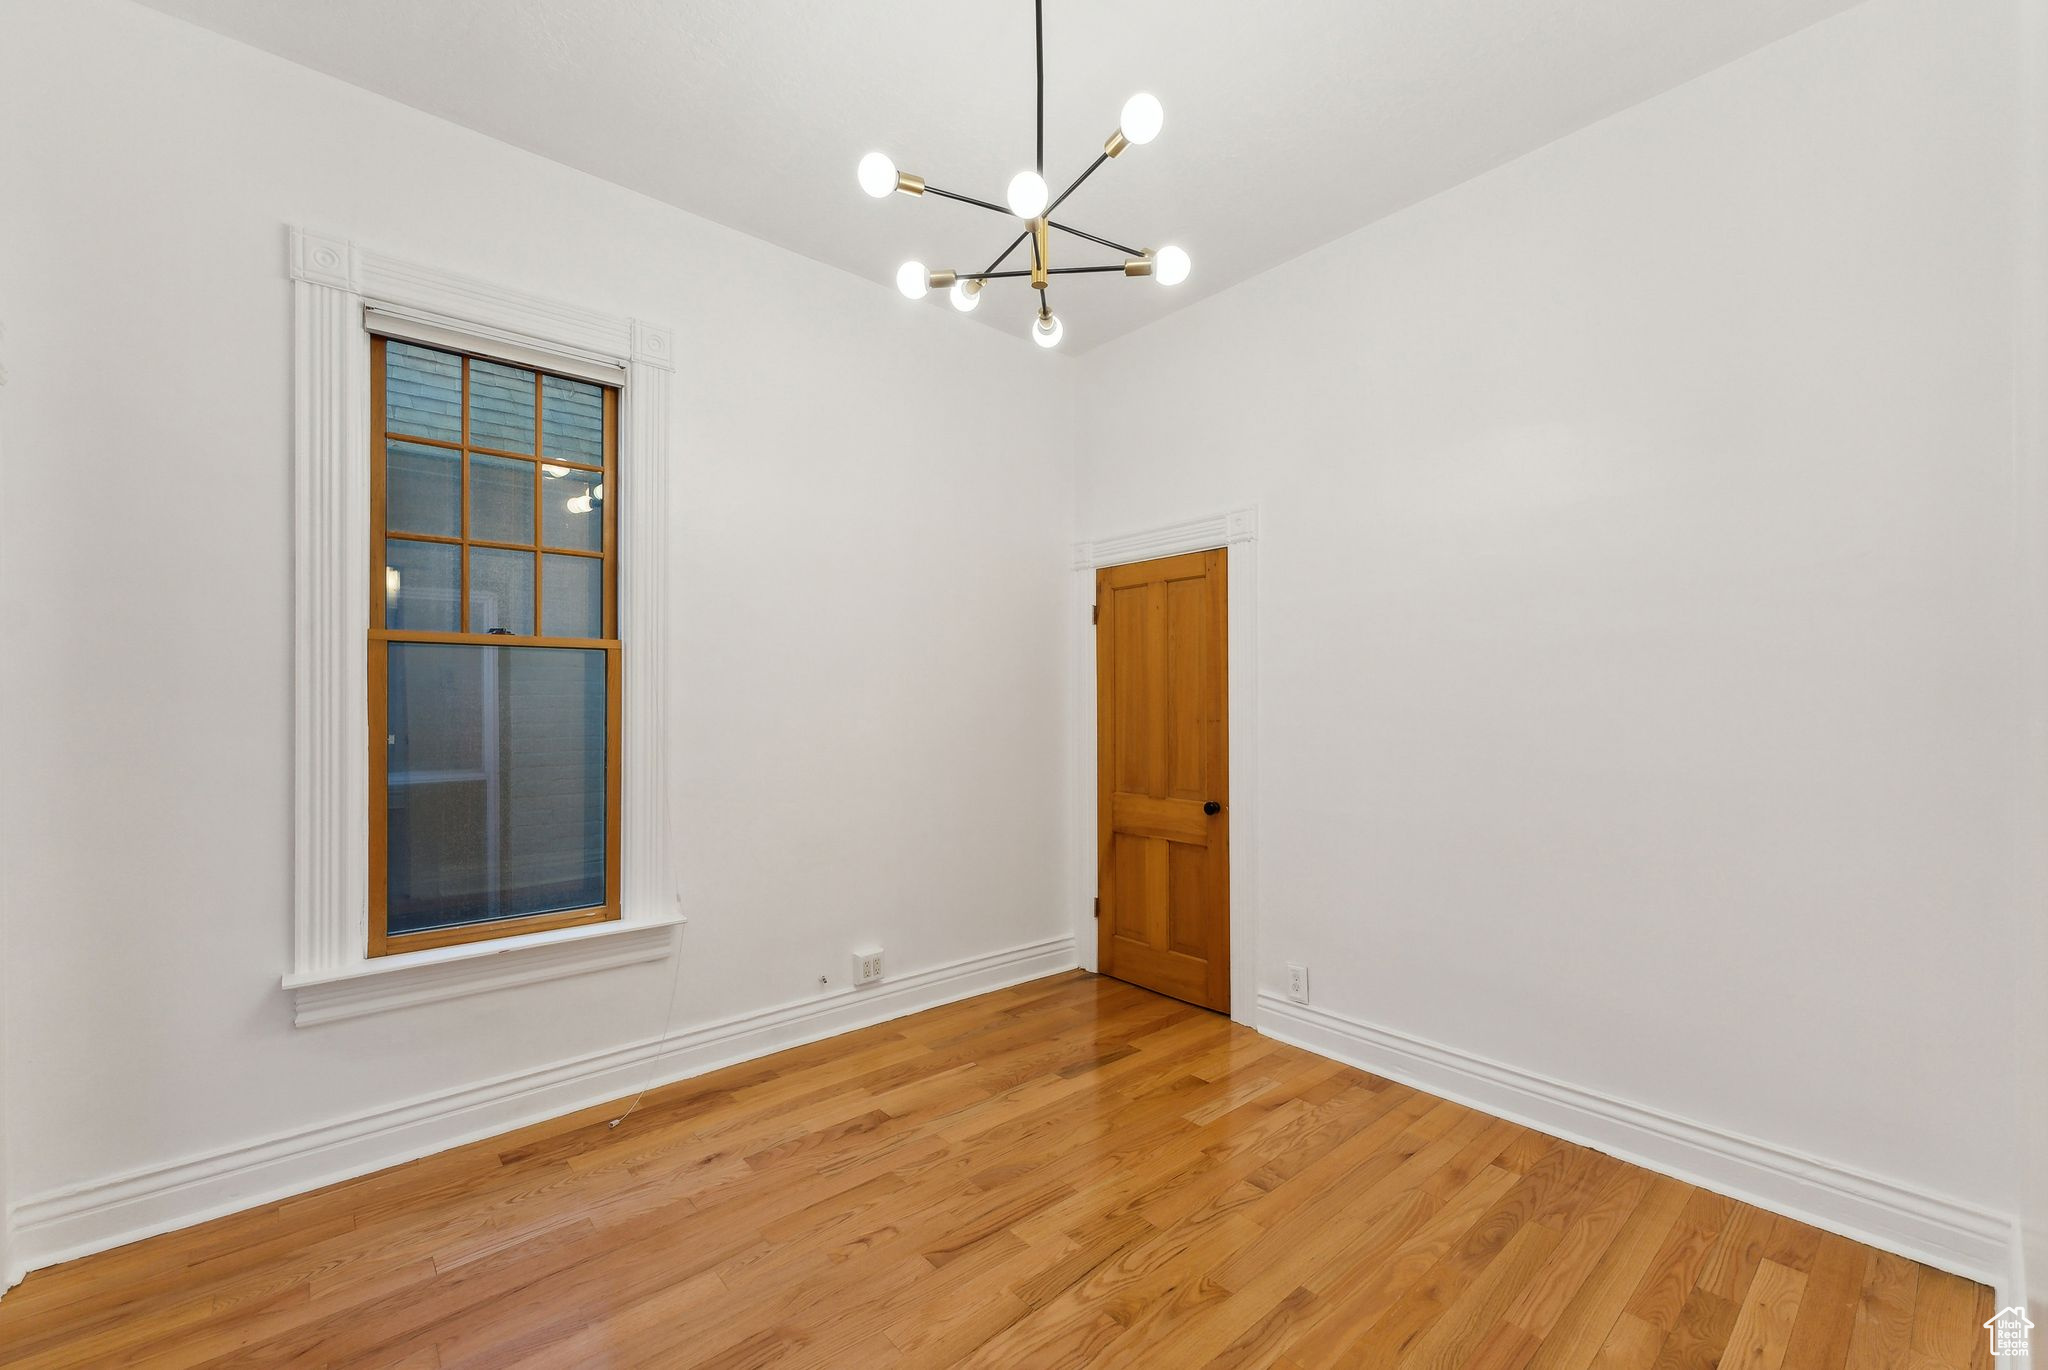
{"x":867,"y":967}
{"x":1297,"y":984}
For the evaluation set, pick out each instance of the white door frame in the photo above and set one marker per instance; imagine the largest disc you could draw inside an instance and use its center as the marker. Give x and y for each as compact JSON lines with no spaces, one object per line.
{"x":1238,"y":531}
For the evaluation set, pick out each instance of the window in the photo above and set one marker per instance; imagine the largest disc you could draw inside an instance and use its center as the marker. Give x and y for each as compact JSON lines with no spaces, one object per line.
{"x":494,"y":659}
{"x":505,"y":874}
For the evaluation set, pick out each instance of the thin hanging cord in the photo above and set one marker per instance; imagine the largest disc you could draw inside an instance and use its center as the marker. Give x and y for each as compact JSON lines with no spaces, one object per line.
{"x":668,"y":1021}
{"x":1038,"y":20}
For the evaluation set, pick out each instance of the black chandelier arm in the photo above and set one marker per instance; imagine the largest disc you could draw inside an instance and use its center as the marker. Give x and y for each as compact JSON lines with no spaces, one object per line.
{"x":1004,"y":256}
{"x":931,"y":189}
{"x":1114,"y":247}
{"x":1076,"y":182}
{"x":1055,"y":271}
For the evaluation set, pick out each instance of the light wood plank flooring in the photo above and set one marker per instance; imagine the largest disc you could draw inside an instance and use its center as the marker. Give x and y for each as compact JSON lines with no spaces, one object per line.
{"x":1069,"y":1172}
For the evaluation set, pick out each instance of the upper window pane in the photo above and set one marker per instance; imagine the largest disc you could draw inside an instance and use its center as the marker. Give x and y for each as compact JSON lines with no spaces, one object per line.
{"x":422,"y":586}
{"x":572,"y":508}
{"x":500,"y":499}
{"x":500,"y":591}
{"x":500,"y":406}
{"x":572,"y":596}
{"x":422,"y":391}
{"x":423,"y":489}
{"x":572,"y":420}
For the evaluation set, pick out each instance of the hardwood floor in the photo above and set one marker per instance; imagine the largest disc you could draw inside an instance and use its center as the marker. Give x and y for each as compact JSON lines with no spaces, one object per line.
{"x":1068,"y":1172}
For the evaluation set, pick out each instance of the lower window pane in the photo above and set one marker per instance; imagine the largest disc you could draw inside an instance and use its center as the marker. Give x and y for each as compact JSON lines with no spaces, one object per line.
{"x":496,"y":783}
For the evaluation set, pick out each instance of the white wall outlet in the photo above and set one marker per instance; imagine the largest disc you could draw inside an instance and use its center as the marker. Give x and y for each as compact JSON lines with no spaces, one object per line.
{"x":867,"y":967}
{"x":1297,"y":984}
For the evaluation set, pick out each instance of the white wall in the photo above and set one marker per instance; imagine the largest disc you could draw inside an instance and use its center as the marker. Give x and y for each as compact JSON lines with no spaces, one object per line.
{"x":1638,"y":693}
{"x":869,"y":574}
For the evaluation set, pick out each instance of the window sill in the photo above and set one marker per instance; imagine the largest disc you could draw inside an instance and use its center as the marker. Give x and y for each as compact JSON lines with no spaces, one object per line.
{"x":424,"y":977}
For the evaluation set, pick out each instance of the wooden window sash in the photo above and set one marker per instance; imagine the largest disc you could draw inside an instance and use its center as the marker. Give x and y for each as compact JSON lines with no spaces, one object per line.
{"x":382,"y":942}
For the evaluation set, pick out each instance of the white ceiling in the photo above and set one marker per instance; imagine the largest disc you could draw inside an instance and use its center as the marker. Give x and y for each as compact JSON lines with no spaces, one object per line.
{"x":1287,"y":125}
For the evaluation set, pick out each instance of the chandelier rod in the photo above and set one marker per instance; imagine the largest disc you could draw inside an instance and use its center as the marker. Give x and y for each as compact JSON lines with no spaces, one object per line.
{"x":1076,"y":183}
{"x":1052,"y":271}
{"x":1038,"y":26}
{"x":1008,"y":250}
{"x":931,"y":189}
{"x":1114,"y":247}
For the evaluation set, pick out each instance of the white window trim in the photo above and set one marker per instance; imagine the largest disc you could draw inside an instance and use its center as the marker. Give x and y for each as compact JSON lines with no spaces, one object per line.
{"x":333,"y":975}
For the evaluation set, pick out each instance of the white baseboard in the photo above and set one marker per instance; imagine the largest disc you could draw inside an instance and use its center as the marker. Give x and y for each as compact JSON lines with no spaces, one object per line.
{"x":77,"y":1221}
{"x":1940,"y":1231}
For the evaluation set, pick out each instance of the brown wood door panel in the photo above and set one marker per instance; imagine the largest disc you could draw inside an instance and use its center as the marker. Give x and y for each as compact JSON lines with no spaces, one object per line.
{"x":1175,"y":820}
{"x":1162,"y":755}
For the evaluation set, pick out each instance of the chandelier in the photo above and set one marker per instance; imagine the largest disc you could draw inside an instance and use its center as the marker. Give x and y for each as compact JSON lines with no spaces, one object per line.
{"x":1028,"y":198}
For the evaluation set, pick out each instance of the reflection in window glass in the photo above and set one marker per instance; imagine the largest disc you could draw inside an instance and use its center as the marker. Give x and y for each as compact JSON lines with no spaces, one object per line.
{"x":572,"y":508}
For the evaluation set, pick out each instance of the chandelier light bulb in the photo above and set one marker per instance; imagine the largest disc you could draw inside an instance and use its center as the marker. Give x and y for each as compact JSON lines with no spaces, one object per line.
{"x":877,"y":175}
{"x":1170,"y":266}
{"x":1047,"y":330}
{"x":965,"y":295}
{"x":1027,"y":195}
{"x":912,"y":280}
{"x":1142,"y":118}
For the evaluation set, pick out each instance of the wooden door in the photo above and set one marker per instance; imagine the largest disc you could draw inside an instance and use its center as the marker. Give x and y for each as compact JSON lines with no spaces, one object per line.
{"x":1163,"y":777}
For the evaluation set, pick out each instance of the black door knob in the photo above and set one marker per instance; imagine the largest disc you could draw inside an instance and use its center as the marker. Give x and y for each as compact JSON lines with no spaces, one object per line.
{"x":1212,"y":807}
